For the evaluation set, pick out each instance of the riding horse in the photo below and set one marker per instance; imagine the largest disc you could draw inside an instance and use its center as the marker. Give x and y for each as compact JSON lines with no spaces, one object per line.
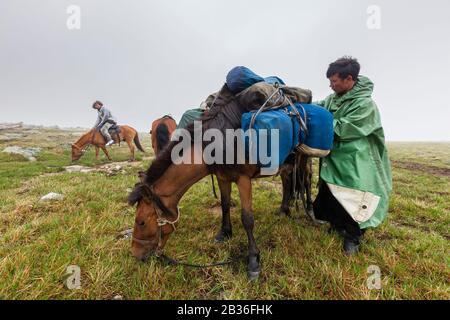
{"x":164,"y":184}
{"x":95,"y":138}
{"x":161,"y":132}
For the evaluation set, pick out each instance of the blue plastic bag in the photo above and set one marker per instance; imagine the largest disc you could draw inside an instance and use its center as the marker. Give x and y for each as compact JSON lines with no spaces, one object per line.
{"x":241,"y":78}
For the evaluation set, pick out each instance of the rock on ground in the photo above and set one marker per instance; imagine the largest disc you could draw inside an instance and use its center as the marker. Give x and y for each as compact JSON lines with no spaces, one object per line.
{"x":28,"y":153}
{"x":80,"y":169}
{"x":52,"y":197}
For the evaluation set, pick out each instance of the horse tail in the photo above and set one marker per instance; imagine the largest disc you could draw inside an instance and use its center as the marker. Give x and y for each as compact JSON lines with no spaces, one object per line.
{"x":138,"y":143}
{"x":162,"y":136}
{"x":298,"y":179}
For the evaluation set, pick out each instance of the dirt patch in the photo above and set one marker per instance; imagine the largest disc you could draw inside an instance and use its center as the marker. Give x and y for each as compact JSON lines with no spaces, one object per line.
{"x":413,"y":166}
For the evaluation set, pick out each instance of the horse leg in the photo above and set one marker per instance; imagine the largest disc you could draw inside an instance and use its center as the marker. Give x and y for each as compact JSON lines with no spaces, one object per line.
{"x":106,"y":153}
{"x":286,"y":179}
{"x":225,"y":199}
{"x":245,"y":192}
{"x":306,"y":168}
{"x":131,"y":147}
{"x":96,"y":152}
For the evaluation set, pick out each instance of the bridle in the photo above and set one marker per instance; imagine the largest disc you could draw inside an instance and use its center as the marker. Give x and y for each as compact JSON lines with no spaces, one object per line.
{"x":84,"y":149}
{"x":160,"y":210}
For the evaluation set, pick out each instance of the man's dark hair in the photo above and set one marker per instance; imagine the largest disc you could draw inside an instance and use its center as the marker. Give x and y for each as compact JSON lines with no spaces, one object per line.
{"x":97,"y":102}
{"x":344,"y":67}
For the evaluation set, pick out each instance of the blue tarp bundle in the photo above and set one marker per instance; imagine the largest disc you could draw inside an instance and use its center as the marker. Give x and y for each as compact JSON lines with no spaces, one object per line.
{"x":320,"y":131}
{"x":241,"y":78}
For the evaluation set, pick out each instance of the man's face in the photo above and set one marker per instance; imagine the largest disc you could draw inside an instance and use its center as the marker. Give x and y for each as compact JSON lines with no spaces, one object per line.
{"x":341,"y":86}
{"x":97,"y":106}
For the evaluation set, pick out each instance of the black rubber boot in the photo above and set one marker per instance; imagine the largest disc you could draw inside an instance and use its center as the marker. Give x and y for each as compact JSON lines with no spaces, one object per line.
{"x":339,"y":230}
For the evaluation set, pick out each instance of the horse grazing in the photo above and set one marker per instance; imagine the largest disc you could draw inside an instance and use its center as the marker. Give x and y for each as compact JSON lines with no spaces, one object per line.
{"x":164,"y":184}
{"x":161,"y":132}
{"x":95,"y":138}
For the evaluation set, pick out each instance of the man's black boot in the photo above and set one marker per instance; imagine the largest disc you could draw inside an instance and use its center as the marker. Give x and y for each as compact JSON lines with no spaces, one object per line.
{"x":339,"y":230}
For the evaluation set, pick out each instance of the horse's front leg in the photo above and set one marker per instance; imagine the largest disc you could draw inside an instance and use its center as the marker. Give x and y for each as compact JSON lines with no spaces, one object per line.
{"x":245,"y":192}
{"x":225,"y":199}
{"x":106,"y":152}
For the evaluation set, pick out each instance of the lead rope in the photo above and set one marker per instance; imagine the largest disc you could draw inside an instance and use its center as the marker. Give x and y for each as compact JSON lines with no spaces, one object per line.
{"x":173,"y":262}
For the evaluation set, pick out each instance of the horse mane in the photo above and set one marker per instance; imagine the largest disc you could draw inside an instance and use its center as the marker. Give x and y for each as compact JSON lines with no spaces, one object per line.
{"x":83,"y":136}
{"x":161,"y":163}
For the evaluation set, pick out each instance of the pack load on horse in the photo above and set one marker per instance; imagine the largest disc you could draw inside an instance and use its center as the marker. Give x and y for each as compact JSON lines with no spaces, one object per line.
{"x":161,"y":132}
{"x":167,"y":180}
{"x":304,"y":126}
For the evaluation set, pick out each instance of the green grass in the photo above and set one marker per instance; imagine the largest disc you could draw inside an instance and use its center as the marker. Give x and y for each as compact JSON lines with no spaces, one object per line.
{"x":300,"y":260}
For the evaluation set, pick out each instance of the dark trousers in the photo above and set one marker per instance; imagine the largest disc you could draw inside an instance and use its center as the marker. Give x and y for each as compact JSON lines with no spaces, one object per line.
{"x":327,"y":208}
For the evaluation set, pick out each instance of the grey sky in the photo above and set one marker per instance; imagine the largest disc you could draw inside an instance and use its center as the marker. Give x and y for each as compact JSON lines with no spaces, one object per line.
{"x":144,"y":59}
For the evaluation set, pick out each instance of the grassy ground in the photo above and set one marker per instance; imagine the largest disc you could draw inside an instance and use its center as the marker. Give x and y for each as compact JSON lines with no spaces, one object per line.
{"x":39,"y":240}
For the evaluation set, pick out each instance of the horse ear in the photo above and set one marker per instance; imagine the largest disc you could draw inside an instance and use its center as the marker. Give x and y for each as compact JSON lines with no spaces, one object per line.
{"x":142,"y":176}
{"x":135,"y":196}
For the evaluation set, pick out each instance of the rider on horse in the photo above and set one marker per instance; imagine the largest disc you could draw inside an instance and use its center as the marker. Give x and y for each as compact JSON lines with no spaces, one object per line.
{"x":105,"y":120}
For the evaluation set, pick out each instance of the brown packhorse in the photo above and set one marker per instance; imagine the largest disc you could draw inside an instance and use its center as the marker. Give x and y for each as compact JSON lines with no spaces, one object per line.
{"x":161,"y":132}
{"x":95,"y":138}
{"x":165,"y":183}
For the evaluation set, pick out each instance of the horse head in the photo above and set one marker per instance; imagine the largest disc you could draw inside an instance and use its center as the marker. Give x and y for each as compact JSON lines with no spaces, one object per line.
{"x":154,"y":222}
{"x":77,"y":152}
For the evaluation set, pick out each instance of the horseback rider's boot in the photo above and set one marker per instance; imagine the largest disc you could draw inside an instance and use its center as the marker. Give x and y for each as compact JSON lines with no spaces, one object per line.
{"x":110,"y":142}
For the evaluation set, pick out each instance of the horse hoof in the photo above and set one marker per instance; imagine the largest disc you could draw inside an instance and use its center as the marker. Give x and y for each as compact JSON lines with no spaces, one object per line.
{"x":253,"y":275}
{"x":221,"y":237}
{"x":283,"y":212}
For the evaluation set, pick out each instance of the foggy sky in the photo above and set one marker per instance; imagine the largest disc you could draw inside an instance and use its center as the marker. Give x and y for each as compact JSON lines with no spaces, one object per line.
{"x":145,"y":59}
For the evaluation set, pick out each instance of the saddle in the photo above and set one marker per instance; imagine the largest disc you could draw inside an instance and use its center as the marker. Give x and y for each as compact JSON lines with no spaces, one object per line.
{"x":114,"y":132}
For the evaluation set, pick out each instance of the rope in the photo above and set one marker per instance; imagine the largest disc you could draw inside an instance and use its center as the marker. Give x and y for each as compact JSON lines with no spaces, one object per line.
{"x":173,"y":262}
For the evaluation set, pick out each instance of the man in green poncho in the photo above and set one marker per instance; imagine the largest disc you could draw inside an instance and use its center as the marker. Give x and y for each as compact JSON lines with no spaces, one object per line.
{"x":355,"y":179}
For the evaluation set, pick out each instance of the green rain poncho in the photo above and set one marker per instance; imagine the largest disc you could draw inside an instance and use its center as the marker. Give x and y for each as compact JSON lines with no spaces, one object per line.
{"x":358,"y":171}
